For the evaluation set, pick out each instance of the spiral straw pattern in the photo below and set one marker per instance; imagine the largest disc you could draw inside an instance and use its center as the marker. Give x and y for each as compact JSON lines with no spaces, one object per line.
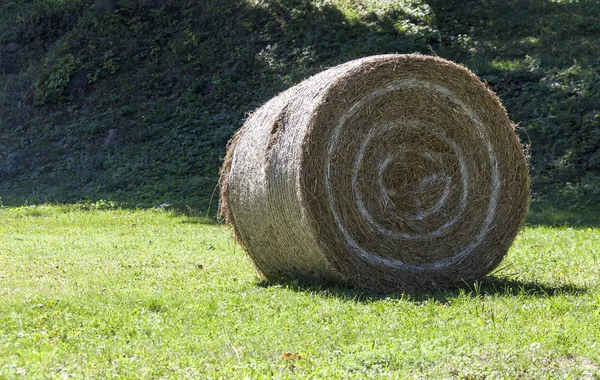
{"x":392,"y":172}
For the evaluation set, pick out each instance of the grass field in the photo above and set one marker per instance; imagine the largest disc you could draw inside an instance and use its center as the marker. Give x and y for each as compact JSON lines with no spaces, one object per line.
{"x":137,"y":107}
{"x":92,"y":290}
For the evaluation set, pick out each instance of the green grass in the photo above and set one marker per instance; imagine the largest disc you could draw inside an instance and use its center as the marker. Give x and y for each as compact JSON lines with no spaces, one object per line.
{"x":93,"y":290}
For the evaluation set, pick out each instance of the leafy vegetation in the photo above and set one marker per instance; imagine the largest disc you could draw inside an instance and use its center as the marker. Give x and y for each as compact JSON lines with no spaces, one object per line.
{"x":93,"y":290}
{"x":137,"y":106}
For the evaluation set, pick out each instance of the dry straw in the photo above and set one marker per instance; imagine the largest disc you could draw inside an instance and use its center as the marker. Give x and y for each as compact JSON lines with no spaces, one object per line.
{"x":392,"y":172}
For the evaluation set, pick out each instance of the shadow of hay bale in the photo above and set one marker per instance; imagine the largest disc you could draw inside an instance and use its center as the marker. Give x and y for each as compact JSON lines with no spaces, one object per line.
{"x":488,"y":287}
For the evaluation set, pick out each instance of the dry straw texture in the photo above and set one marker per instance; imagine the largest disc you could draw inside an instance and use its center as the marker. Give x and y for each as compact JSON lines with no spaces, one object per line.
{"x":392,"y":172}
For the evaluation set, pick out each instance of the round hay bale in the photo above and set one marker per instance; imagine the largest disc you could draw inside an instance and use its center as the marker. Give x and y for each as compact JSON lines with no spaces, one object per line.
{"x":392,"y":172}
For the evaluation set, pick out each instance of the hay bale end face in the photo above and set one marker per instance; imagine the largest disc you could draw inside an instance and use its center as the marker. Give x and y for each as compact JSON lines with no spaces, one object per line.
{"x":392,"y":172}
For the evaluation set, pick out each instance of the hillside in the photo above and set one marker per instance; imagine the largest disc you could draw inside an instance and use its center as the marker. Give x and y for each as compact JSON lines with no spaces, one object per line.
{"x":137,"y":106}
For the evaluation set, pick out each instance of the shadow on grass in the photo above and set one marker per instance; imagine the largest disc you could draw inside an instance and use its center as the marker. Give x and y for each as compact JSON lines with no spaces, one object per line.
{"x":490,"y":286}
{"x":562,"y":214}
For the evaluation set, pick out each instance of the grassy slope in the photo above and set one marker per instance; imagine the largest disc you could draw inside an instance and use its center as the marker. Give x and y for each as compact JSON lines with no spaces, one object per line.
{"x":94,"y":291}
{"x":138,"y":106}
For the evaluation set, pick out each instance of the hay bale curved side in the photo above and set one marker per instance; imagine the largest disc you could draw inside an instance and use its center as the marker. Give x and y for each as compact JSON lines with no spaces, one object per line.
{"x":392,"y":172}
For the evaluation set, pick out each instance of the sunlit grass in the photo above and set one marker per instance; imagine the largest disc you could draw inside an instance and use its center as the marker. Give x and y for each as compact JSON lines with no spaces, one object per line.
{"x":98,"y":291}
